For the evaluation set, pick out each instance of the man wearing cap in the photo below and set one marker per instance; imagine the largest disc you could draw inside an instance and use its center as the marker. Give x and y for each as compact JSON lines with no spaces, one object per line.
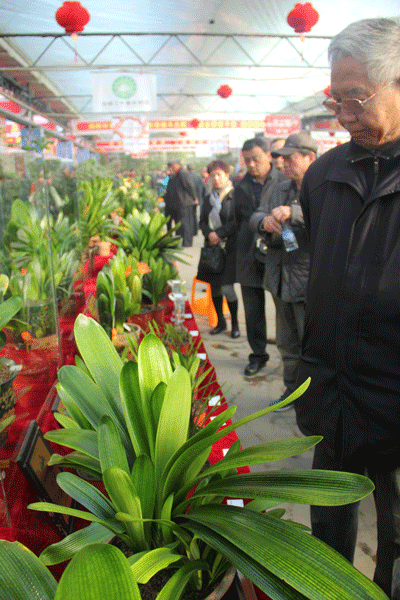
{"x":287,"y":266}
{"x":251,"y":193}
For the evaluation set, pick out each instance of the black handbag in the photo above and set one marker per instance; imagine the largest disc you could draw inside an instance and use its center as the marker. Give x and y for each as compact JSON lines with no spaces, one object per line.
{"x":212,"y":262}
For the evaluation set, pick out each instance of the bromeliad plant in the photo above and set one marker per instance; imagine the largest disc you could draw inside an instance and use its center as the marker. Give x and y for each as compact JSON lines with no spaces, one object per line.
{"x":128,"y":423}
{"x":119,"y":292}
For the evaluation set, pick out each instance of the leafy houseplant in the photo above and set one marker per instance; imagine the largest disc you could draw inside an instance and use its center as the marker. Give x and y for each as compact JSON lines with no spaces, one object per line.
{"x":147,"y":233}
{"x":119,"y":292}
{"x":155,"y":281}
{"x":136,"y":195}
{"x":97,"y":200}
{"x":128,"y":423}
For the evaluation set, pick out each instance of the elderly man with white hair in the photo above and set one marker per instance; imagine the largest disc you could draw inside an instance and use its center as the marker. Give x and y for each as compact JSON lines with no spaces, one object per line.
{"x":351,"y":347}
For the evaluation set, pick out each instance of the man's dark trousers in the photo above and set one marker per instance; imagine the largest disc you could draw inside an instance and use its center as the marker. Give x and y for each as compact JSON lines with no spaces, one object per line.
{"x":256,"y":326}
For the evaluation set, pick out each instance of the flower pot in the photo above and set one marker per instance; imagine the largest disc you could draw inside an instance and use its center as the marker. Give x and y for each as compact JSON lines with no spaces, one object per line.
{"x":121,"y":340}
{"x":8,"y":372}
{"x":148,"y":313}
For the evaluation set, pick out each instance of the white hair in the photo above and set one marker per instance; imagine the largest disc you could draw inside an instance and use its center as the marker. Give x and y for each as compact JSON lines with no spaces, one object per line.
{"x":375,"y":42}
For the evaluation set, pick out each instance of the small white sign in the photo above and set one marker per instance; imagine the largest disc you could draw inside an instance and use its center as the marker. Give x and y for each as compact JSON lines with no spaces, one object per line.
{"x":214,"y":400}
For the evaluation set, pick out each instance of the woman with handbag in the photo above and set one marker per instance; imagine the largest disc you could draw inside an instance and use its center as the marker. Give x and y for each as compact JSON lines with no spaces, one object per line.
{"x":217,"y":222}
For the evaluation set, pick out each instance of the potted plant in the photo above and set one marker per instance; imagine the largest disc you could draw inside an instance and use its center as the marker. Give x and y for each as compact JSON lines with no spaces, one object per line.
{"x":147,"y":232}
{"x":155,"y":282}
{"x":96,"y":199}
{"x":129,"y":422}
{"x":119,"y":292}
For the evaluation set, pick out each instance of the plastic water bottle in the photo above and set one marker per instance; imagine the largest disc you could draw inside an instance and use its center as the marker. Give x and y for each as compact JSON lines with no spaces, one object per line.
{"x":289,"y":238}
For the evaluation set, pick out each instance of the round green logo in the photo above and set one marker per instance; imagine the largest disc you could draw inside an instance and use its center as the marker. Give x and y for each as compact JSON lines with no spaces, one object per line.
{"x":124,"y":86}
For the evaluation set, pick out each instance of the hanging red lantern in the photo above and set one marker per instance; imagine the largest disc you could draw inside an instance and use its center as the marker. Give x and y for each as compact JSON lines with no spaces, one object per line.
{"x":182,"y":133}
{"x":303,"y":17}
{"x":194,"y":123}
{"x":332,"y":133}
{"x":72,"y":16}
{"x":327,"y":91}
{"x":224,"y":91}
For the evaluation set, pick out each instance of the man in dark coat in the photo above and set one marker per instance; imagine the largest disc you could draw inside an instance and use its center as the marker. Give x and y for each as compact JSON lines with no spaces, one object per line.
{"x":351,"y":346}
{"x":255,"y":187}
{"x":286,"y":267}
{"x":201,"y":192}
{"x":180,"y":197}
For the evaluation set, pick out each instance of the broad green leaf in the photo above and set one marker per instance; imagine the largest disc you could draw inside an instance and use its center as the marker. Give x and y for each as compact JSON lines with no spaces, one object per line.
{"x":124,"y":496}
{"x":113,"y":526}
{"x":301,"y":560}
{"x":98,"y":571}
{"x":8,"y":309}
{"x":77,"y":439}
{"x":22,"y":575}
{"x":86,"y":494}
{"x":71,"y":544}
{"x":305,"y":486}
{"x":79,"y":461}
{"x":153,"y":561}
{"x":180,"y":463}
{"x":66,"y":421}
{"x":154,"y":366}
{"x":72,"y":408}
{"x":111,"y":450}
{"x":100,"y":357}
{"x":144,"y":481}
{"x":173,"y":424}
{"x":133,"y":408}
{"x":157,"y":400}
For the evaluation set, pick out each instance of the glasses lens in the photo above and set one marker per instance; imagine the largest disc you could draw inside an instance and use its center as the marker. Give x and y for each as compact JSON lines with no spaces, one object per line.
{"x":352,"y":105}
{"x":332,"y":106}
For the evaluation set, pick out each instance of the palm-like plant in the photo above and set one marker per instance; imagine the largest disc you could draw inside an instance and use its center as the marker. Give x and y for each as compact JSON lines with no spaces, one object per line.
{"x":97,"y":200}
{"x":146,"y":232}
{"x":128,"y":423}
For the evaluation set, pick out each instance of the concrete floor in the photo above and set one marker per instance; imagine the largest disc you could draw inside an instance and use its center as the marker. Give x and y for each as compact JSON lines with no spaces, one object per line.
{"x":229,"y":358}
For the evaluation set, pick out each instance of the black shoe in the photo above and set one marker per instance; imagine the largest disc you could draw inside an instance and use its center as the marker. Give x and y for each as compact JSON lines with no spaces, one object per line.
{"x":285,"y":395}
{"x":218,"y":329}
{"x":235,"y":333}
{"x":254,"y":366}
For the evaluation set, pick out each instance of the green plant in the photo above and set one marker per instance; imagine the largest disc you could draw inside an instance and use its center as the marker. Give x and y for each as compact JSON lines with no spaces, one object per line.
{"x":119,"y":292}
{"x":97,"y":571}
{"x":147,"y":233}
{"x":8,"y":309}
{"x":129,"y":423}
{"x":155,"y":282}
{"x":135,"y":195}
{"x":97,"y":200}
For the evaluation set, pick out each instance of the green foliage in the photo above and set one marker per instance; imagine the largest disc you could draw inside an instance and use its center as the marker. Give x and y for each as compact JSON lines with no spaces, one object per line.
{"x":131,"y":426}
{"x":97,"y":571}
{"x":119,"y":291}
{"x":147,"y":233}
{"x":136,"y":195}
{"x":156,"y":282}
{"x":97,"y":200}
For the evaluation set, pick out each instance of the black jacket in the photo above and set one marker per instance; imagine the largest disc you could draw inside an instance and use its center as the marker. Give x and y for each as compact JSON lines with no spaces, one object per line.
{"x":249,"y":272}
{"x":227,"y":232}
{"x":351,"y":347}
{"x":286,"y":273}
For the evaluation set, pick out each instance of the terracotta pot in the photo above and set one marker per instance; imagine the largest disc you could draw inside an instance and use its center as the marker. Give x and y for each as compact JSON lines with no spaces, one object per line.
{"x":147,"y":314}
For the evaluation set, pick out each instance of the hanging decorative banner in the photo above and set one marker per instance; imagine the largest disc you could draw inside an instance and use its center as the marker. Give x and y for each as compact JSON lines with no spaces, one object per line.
{"x":134,"y":133}
{"x":123,"y":93}
{"x":281,"y":125}
{"x":65,"y":149}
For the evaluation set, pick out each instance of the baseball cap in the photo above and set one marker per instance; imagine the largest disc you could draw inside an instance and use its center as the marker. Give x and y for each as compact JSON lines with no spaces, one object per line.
{"x":297,"y":142}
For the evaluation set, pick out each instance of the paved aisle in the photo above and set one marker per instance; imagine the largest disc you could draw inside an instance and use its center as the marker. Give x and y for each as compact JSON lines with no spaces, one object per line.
{"x":229,"y":358}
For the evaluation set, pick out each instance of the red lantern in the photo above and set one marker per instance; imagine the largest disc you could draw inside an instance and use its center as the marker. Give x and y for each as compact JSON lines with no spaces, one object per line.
{"x":72,"y":16}
{"x":182,"y":133}
{"x":224,"y":91}
{"x":303,"y":17}
{"x":194,"y":123}
{"x":332,"y":133}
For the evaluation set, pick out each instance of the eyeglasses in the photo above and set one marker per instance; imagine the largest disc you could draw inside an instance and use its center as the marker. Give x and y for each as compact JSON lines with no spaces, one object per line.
{"x":353,"y":105}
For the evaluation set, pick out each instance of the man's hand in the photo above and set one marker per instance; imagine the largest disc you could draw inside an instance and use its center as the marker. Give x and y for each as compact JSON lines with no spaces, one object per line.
{"x":213,"y":238}
{"x":282,"y":213}
{"x":270,"y":224}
